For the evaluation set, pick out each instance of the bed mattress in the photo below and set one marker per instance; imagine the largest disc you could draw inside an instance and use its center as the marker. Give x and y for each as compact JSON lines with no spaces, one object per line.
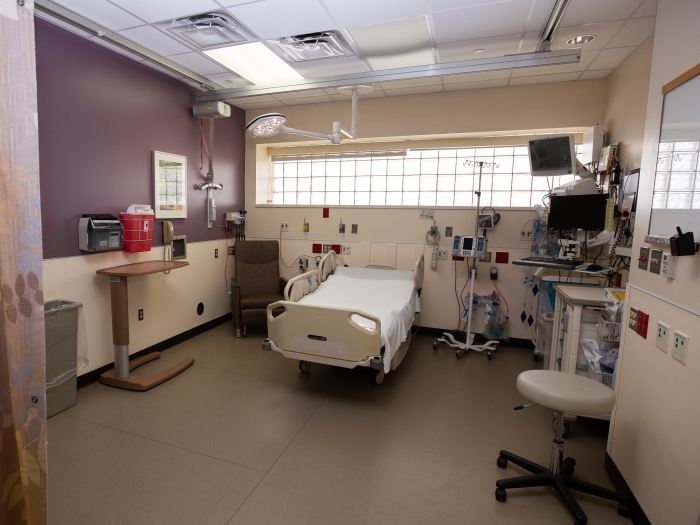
{"x":394,"y":301}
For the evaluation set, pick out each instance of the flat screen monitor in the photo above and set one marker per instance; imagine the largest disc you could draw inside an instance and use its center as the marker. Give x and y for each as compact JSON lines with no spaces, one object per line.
{"x":577,"y":212}
{"x":552,"y":156}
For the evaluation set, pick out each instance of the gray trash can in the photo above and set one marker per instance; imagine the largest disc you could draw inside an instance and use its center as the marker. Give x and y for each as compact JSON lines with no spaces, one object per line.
{"x":61,"y":325}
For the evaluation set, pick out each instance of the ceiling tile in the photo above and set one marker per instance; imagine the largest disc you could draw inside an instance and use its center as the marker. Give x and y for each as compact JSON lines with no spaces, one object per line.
{"x":596,"y":74}
{"x":611,"y":58}
{"x":413,"y":91}
{"x":648,"y":9}
{"x":481,"y":21}
{"x":301,"y":94}
{"x":280,"y":18}
{"x":378,"y":93}
{"x":155,"y":11}
{"x":198,"y":63}
{"x":530,"y":41}
{"x":481,"y":84}
{"x":402,"y":43}
{"x":443,"y":5}
{"x":586,"y":59}
{"x":362,"y":12}
{"x":330,"y":67}
{"x":635,"y":32}
{"x":540,"y":15}
{"x":474,"y":77}
{"x":418,"y":82}
{"x":589,"y":11}
{"x":154,"y":40}
{"x":254,"y":105}
{"x":309,"y":100}
{"x":102,"y":12}
{"x":228,"y":80}
{"x":497,"y":46}
{"x":543,"y":79}
{"x":602,"y":31}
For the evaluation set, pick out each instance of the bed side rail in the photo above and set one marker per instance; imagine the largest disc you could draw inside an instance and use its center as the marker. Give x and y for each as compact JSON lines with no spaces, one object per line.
{"x":418,"y":271}
{"x":323,"y":331}
{"x":301,"y":285}
{"x":327,"y":265}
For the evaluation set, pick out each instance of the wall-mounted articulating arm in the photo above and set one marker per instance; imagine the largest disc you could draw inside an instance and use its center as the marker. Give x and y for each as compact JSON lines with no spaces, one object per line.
{"x":210,"y":185}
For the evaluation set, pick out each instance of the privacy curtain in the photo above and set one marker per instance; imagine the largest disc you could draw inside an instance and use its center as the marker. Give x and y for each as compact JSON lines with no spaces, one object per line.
{"x":22,"y":354}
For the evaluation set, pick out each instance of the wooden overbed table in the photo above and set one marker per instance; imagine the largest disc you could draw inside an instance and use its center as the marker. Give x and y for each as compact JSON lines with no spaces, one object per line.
{"x":119,"y":376}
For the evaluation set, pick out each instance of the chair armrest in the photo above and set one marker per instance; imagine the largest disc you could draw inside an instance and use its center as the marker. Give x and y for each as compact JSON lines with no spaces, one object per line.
{"x":283,"y":284}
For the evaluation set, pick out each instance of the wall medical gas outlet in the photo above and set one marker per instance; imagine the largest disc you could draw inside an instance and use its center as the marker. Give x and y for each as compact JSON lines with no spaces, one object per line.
{"x":100,"y":233}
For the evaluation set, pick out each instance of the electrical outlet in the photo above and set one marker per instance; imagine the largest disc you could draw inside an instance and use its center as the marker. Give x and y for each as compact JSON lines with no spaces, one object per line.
{"x":642,"y":323}
{"x":643,"y":258}
{"x":231,"y":250}
{"x":662,"y":333}
{"x":427,"y":214}
{"x":525,"y":235}
{"x":354,"y":228}
{"x":655,"y":261}
{"x":346,"y":250}
{"x":442,"y":255}
{"x":633,"y":319}
{"x":284,"y":227}
{"x":216,"y":253}
{"x":486,"y":257}
{"x":681,"y":342}
{"x":448,"y":231}
{"x":141,"y":314}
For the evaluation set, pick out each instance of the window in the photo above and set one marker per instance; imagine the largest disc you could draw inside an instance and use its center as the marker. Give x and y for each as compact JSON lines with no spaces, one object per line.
{"x":428,"y":177}
{"x":676,"y":185}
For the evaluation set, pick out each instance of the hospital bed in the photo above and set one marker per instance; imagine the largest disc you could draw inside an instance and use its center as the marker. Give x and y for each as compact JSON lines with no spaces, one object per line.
{"x":346,"y":317}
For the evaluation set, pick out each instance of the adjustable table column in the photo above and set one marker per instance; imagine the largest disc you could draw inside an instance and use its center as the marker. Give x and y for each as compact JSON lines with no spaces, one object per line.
{"x":119,"y":376}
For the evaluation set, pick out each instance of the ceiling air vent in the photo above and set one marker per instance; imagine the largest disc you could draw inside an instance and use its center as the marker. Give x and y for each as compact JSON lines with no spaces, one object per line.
{"x":207,"y":30}
{"x":313,"y":46}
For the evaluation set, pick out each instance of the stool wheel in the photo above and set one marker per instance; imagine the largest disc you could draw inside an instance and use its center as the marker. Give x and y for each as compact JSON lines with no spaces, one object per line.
{"x":304,"y":366}
{"x":537,"y":358}
{"x":436,"y":344}
{"x":460,"y":353}
{"x":623,"y":509}
{"x":502,"y":462}
{"x":489,"y":355}
{"x":501,"y":495}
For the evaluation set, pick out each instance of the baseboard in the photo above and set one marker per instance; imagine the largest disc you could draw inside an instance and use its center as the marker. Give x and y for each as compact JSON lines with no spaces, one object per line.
{"x":513,"y":341}
{"x":618,"y":481}
{"x":94,"y":375}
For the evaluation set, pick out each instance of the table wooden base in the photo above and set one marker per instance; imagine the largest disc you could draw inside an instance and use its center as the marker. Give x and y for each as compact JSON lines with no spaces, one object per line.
{"x":141,"y":383}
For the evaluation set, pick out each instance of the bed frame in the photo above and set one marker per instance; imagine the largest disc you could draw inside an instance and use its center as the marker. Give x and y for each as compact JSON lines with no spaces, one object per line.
{"x":329,"y":335}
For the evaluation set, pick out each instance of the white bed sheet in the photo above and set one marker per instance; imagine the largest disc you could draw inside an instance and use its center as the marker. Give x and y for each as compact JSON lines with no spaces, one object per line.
{"x":374,"y":274}
{"x":394,"y":302}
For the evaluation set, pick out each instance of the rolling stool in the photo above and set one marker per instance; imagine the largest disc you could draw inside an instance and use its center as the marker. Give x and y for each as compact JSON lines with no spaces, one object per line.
{"x":561,"y":392}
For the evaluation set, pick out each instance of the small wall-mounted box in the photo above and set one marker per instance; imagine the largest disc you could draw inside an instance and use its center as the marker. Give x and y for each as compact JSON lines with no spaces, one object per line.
{"x":100,"y":232}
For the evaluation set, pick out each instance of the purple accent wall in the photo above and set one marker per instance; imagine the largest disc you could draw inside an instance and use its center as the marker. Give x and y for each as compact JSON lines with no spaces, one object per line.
{"x":100,"y":117}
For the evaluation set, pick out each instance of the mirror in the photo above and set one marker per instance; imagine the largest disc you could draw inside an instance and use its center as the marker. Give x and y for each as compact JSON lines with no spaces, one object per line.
{"x":677,"y":184}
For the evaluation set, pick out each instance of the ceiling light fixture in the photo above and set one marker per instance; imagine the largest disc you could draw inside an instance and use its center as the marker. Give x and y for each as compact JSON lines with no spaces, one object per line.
{"x":478,"y":51}
{"x":580,"y":40}
{"x":254,"y":62}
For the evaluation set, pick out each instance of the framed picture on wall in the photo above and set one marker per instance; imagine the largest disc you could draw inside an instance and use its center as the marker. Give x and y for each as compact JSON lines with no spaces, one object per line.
{"x":170,"y":174}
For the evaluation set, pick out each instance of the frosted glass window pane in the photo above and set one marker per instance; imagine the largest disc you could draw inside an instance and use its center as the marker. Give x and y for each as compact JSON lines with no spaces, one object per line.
{"x":465,"y":166}
{"x":347,"y":168}
{"x":448,"y":153}
{"x":347,"y":197}
{"x":377,"y":198}
{"x":347,"y":184}
{"x":430,"y":153}
{"x":661,"y":181}
{"x":446,"y":182}
{"x":361,"y":198}
{"x":463,"y":198}
{"x":521,"y":165}
{"x":410,"y":198}
{"x":485,"y":198}
{"x":379,"y":166}
{"x":277,"y":185}
{"x":678,"y":201}
{"x":663,"y":161}
{"x":563,"y":179}
{"x":277,"y":198}
{"x":447,"y":166}
{"x":537,"y":197}
{"x":681,"y":181}
{"x":277,"y":169}
{"x":503,"y":165}
{"x":502,"y":182}
{"x":290,"y":185}
{"x":362,"y":184}
{"x":411,"y":183}
{"x":394,"y":183}
{"x":395,"y":167}
{"x":304,"y":169}
{"x":684,"y":161}
{"x":304,"y":197}
{"x":332,"y":184}
{"x":363,"y":167}
{"x":522,"y":182}
{"x":428,"y":183}
{"x":290,"y":169}
{"x":464,"y":182}
{"x":666,"y":146}
{"x":411,"y":167}
{"x":445,"y":198}
{"x":332,"y":197}
{"x":539,"y":183}
{"x":427,"y":198}
{"x":318,"y":168}
{"x":503,"y":151}
{"x":413,"y":154}
{"x":520,"y":150}
{"x":685,"y":146}
{"x":520,"y":199}
{"x":500,"y":198}
{"x":378,"y":183}
{"x":485,"y":182}
{"x":318,"y":184}
{"x":696,"y":201}
{"x":488,"y":165}
{"x":659,"y":200}
{"x":468,"y":152}
{"x":428,"y":166}
{"x":484,"y":152}
{"x":332,"y":169}
{"x":290,"y":198}
{"x":303,"y":184}
{"x":317,"y":197}
{"x":393,"y":198}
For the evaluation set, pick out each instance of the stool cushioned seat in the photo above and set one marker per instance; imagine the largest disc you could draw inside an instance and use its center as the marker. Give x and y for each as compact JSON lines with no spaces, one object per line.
{"x":566,"y":392}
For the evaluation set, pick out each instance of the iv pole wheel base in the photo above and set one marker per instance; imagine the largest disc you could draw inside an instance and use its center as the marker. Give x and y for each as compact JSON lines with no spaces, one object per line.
{"x":436,"y":344}
{"x":489,"y":355}
{"x":502,"y":462}
{"x":501,"y":495}
{"x":379,"y":376}
{"x":460,"y":353}
{"x":142,"y":383}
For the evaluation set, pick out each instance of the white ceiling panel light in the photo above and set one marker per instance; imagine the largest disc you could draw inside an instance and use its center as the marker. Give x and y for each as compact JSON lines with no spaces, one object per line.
{"x":331,"y":68}
{"x":228,"y":79}
{"x":155,"y":11}
{"x":390,"y":45}
{"x":363,"y":12}
{"x":102,"y":12}
{"x":467,"y":49}
{"x":255,"y":62}
{"x":198,"y":63}
{"x":280,"y":18}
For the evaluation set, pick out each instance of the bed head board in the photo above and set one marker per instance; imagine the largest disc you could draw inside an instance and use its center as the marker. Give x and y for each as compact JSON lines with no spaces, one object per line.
{"x":418,"y":270}
{"x":327,"y":265}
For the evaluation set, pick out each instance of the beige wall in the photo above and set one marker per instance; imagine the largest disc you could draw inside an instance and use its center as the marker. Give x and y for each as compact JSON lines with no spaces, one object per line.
{"x":545,"y":106}
{"x":654,"y":430}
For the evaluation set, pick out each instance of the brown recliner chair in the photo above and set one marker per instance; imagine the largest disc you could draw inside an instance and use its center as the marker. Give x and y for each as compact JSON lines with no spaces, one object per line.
{"x":256,"y":283}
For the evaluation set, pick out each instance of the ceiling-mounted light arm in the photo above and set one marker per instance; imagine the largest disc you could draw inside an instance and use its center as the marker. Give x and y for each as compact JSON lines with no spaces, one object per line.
{"x":333,"y":138}
{"x":354,"y":91}
{"x":271,"y":124}
{"x":555,"y":18}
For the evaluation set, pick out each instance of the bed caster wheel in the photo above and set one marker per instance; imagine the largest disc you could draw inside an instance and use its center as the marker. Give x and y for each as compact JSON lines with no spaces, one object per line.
{"x":304,"y":366}
{"x":537,"y":358}
{"x":501,"y":494}
{"x":267,"y":345}
{"x":460,"y":354}
{"x":436,"y":344}
{"x":376,"y":363}
{"x":623,"y":509}
{"x":489,"y":355}
{"x":379,"y":376}
{"x":502,"y":462}
{"x":245,"y":332}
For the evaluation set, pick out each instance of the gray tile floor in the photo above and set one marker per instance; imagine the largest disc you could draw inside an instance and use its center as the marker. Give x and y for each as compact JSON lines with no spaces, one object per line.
{"x":244,"y":438}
